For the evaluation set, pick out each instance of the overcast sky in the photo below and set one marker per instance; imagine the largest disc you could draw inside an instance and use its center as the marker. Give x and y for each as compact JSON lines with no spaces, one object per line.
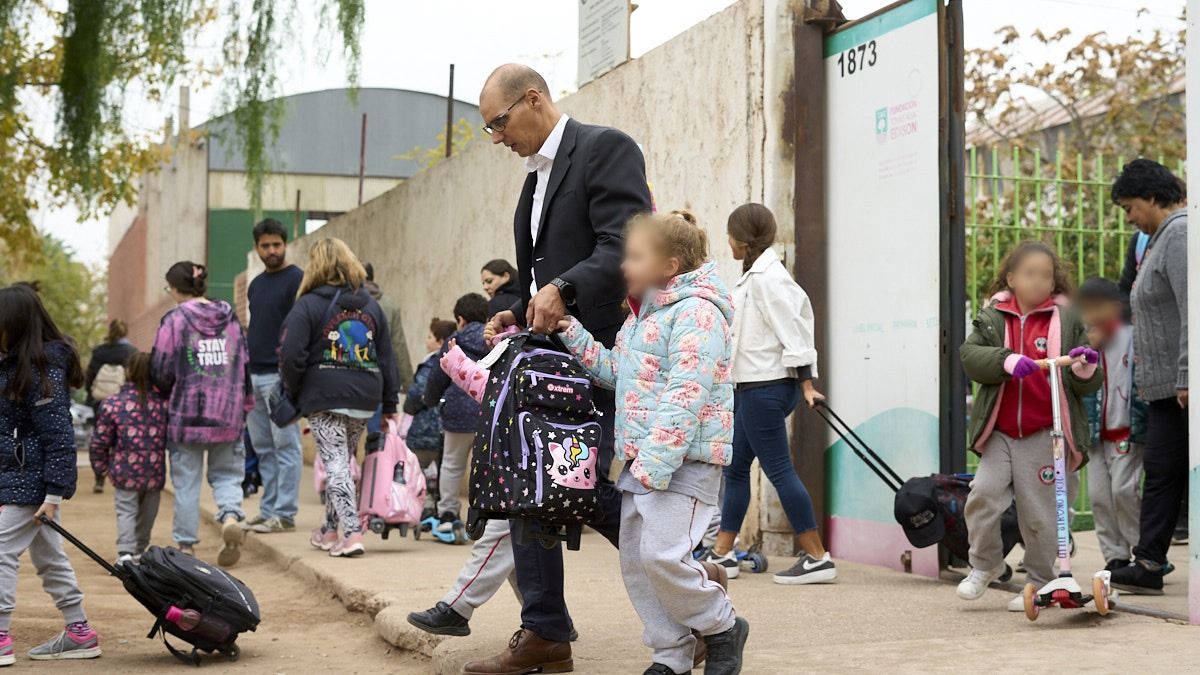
{"x":409,"y":44}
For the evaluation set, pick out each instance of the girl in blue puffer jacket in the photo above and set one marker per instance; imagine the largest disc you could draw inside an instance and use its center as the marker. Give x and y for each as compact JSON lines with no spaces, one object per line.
{"x":38,"y":367}
{"x":671,"y":370}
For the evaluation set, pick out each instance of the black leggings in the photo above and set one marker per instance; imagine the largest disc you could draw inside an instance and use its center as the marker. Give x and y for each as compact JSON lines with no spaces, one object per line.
{"x":1166,"y":465}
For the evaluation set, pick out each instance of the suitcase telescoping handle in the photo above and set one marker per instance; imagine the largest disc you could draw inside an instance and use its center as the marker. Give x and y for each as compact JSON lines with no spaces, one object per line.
{"x":80,"y":545}
{"x":889,"y":477}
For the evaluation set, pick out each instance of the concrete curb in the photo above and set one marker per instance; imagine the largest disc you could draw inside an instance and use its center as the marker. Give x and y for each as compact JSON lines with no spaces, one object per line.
{"x":391,"y":622}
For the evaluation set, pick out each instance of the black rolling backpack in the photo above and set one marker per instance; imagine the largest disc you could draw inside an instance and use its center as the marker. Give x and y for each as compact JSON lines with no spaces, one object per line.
{"x":534,"y":457}
{"x":180,"y":591}
{"x":931,"y":508}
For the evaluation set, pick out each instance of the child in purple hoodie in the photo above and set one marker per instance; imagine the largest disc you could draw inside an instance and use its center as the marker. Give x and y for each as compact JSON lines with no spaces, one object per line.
{"x":201,"y":364}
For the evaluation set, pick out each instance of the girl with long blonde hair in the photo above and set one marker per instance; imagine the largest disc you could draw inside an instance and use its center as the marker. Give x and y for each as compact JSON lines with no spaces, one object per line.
{"x":336,"y":361}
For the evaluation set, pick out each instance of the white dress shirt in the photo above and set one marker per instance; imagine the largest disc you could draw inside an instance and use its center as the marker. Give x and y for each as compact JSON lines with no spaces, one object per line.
{"x":543,"y":163}
{"x":773,"y":326}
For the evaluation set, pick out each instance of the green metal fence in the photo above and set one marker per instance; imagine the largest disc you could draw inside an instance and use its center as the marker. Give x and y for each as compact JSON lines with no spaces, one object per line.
{"x":1062,"y":200}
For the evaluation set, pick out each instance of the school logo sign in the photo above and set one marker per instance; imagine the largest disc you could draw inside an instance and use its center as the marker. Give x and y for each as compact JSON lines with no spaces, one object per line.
{"x":881,"y":125}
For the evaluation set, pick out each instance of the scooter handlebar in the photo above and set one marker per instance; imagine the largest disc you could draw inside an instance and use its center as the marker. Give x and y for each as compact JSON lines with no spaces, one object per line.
{"x":1062,"y":362}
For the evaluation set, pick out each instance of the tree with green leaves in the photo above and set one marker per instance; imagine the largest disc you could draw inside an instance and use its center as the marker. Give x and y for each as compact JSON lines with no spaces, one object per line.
{"x":85,"y":60}
{"x":464,"y":134}
{"x":72,"y":292}
{"x":1049,"y":137}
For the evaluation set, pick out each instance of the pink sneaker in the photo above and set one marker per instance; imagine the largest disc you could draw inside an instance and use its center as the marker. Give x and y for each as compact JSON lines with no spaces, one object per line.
{"x":348,"y":546}
{"x":78,"y":641}
{"x":323,"y":539}
{"x":7,"y":656}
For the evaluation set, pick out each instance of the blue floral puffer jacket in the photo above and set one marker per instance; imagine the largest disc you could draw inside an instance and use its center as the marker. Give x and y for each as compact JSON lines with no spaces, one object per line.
{"x":671,"y":368}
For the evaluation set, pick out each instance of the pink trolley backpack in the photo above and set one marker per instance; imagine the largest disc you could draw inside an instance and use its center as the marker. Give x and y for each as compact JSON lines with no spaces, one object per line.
{"x":392,"y":489}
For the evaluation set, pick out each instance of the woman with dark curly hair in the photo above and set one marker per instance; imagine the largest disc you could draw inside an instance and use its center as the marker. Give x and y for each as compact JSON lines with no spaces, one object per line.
{"x":1153,"y":200}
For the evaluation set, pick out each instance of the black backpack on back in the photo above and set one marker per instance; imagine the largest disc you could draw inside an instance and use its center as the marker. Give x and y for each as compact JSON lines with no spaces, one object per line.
{"x":535,"y":453}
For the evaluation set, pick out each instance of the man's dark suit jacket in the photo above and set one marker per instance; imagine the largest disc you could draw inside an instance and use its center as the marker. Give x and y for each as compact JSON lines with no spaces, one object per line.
{"x":597,"y":184}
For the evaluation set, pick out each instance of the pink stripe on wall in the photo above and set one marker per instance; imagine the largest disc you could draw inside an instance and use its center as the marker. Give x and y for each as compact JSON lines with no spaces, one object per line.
{"x":875,"y":543}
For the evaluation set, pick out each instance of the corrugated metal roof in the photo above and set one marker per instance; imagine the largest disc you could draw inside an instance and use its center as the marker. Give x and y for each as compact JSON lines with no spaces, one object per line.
{"x":1045,"y":113}
{"x":320,"y":131}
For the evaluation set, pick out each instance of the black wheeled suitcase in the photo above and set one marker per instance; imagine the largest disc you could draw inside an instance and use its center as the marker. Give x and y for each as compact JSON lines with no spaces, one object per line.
{"x":180,"y":590}
{"x":534,"y":458}
{"x":928,"y":508}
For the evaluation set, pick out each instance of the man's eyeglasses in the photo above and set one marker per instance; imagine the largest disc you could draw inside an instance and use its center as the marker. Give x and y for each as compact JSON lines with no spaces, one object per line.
{"x":500,"y":121}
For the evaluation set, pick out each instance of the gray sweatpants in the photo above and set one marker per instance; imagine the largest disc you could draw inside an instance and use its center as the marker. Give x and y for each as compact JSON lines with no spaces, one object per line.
{"x":456,"y":459}
{"x":490,"y":565}
{"x":136,"y":511}
{"x":1020,"y":468}
{"x":669,"y":589}
{"x":17,"y":535}
{"x":1114,"y":475}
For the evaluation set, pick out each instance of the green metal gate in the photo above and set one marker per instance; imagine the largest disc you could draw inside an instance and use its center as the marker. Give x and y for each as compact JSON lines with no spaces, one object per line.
{"x":1064,"y":201}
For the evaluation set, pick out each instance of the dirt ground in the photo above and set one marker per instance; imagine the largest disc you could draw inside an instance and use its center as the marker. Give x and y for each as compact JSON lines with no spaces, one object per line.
{"x":301,"y":631}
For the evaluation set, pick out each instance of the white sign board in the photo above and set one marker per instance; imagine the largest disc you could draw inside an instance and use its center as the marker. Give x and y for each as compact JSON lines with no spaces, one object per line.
{"x":603,"y":37}
{"x":883,"y":220}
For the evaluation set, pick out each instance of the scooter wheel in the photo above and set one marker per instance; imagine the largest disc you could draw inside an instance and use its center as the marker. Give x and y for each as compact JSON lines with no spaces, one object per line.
{"x":1031,"y":608}
{"x":1100,"y":596}
{"x":758,"y":562}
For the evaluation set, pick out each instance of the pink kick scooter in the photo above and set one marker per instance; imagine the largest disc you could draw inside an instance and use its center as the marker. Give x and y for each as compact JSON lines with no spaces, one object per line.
{"x":1064,"y":591}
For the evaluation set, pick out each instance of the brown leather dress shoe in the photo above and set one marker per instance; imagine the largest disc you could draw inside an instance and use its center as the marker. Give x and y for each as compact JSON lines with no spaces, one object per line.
{"x":527,"y":653}
{"x":715,"y":573}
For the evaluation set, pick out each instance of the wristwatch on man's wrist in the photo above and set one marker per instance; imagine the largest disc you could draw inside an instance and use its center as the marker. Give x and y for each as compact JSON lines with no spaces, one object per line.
{"x":566,"y":290}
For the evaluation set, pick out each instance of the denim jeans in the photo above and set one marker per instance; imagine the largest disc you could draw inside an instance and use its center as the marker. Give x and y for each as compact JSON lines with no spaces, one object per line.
{"x":279,"y":455}
{"x":226,"y":468}
{"x":759,"y":431}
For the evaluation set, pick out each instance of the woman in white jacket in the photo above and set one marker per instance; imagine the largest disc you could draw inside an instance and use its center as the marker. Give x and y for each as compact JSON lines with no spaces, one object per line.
{"x":774,"y":362}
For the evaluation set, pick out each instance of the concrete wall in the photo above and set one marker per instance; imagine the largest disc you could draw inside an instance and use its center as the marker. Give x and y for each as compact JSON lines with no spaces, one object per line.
{"x":168,"y":225}
{"x":707,"y":108}
{"x":227,"y":190}
{"x":703,"y":136}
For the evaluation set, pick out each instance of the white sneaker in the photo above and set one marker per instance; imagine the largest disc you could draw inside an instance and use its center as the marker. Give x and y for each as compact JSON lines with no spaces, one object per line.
{"x":976,"y":583}
{"x":1017,"y":604}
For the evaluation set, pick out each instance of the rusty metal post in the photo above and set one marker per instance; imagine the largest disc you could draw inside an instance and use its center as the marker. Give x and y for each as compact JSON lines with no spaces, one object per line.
{"x":450,"y":115}
{"x":362,"y":158}
{"x":811,"y":268}
{"x":296,"y":233}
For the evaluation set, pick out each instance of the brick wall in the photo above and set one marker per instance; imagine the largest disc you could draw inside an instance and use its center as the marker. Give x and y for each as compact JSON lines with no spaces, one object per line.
{"x":127,"y":287}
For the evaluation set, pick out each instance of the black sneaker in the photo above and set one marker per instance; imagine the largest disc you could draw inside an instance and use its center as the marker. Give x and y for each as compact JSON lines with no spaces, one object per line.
{"x":1116,"y":564}
{"x":99,"y":486}
{"x":441,"y":620}
{"x":1141,"y":576}
{"x":729,"y":561}
{"x":808,"y":570}
{"x":660,"y":669}
{"x":725,"y":649}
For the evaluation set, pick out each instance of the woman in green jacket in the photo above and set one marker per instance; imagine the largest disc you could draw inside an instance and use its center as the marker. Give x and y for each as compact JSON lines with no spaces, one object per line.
{"x":1026,"y":322}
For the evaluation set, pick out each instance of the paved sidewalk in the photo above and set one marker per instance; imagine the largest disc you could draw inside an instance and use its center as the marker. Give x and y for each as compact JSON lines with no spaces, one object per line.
{"x":872,"y":620}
